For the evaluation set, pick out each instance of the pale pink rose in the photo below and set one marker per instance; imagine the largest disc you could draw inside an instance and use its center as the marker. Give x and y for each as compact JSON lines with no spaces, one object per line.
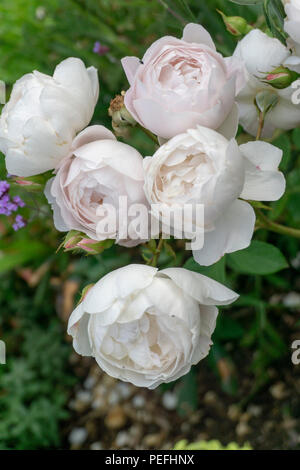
{"x":98,"y":171}
{"x":182,"y":83}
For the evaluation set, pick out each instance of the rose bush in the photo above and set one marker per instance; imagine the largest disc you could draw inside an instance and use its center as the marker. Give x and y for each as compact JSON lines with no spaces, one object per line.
{"x":181,"y":83}
{"x":44,"y":114}
{"x":143,"y":325}
{"x":97,"y":172}
{"x":147,"y":326}
{"x":202,"y":167}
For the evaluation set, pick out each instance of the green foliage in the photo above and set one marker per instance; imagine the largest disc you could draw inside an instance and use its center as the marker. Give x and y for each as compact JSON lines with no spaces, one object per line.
{"x":34,"y":390}
{"x":20,"y":253}
{"x":275,"y":14}
{"x":248,"y":2}
{"x":259,"y":258}
{"x":187,"y":393}
{"x":216,"y":271}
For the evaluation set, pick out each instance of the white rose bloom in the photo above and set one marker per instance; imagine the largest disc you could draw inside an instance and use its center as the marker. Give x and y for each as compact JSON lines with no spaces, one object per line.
{"x":146,"y":326}
{"x":203,"y":167}
{"x":261,"y":54}
{"x":44,"y":114}
{"x":292,"y":21}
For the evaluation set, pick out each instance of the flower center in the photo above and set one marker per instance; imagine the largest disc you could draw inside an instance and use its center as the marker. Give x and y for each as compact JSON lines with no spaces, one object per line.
{"x":142,"y":343}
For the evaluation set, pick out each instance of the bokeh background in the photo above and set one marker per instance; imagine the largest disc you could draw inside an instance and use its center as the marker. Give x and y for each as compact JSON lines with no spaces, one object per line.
{"x":247,"y":390}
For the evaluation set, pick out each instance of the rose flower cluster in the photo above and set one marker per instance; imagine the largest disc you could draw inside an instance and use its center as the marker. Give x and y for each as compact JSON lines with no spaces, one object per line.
{"x":140,"y":324}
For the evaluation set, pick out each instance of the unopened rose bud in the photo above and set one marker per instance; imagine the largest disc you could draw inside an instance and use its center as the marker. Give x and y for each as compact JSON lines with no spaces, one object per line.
{"x":93,"y":247}
{"x":71,"y":240}
{"x":75,"y":241}
{"x":281,"y":77}
{"x":236,"y":25}
{"x":32,"y":183}
{"x":27,"y":183}
{"x":122,"y":120}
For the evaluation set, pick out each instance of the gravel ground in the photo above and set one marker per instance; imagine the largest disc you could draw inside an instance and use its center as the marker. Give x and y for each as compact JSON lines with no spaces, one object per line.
{"x":109,"y":414}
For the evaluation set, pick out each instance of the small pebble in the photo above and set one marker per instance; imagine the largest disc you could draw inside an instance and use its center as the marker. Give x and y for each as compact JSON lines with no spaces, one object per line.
{"x":210,"y":398}
{"x":98,"y":404}
{"x":169,"y":400}
{"x":84,"y":396}
{"x":254,"y":410}
{"x":153,"y":440}
{"x":124,"y":390}
{"x":77,"y":436}
{"x":245,"y":418}
{"x":96,"y":446}
{"x":292,"y":300}
{"x":115,"y":418}
{"x":136,"y":431}
{"x":234,"y":412}
{"x":278,"y":391}
{"x":242,"y":429}
{"x":100,"y":390}
{"x":289,"y":423}
{"x":89,"y":382}
{"x":138,"y":401}
{"x":122,"y":439}
{"x":113,"y":398}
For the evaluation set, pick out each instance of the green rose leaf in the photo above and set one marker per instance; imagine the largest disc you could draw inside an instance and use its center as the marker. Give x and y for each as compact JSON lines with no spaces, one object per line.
{"x":216,"y":271}
{"x":275,"y":14}
{"x":248,"y":2}
{"x":259,"y":258}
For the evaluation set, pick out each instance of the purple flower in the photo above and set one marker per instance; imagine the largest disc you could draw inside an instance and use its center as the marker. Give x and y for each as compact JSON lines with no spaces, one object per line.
{"x":8,"y":205}
{"x":4,"y":187}
{"x":19,"y":223}
{"x":5,"y":205}
{"x":17,"y":200}
{"x":100,"y":49}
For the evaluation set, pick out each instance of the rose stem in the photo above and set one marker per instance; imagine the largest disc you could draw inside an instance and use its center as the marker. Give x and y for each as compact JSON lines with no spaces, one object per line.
{"x":148,"y":133}
{"x":157,"y":252}
{"x":261,"y":125}
{"x":274,"y":227}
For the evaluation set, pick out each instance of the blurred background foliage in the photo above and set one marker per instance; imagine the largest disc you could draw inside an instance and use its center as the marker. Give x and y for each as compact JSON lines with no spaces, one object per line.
{"x":39,"y":287}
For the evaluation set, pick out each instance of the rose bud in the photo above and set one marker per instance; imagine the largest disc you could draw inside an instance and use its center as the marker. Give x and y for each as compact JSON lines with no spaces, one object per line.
{"x":235,"y":25}
{"x":281,"y":77}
